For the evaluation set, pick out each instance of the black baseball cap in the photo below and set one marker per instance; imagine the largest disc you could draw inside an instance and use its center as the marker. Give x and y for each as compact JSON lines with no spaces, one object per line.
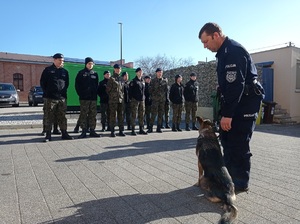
{"x":58,"y":55}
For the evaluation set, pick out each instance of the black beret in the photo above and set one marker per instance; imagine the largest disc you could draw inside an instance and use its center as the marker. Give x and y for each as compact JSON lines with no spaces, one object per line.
{"x":124,"y":73}
{"x":147,"y":77}
{"x":158,"y":70}
{"x":88,"y":59}
{"x":58,"y":55}
{"x":193,"y":74}
{"x":117,"y":66}
{"x":106,"y":72}
{"x":177,"y":76}
{"x":138,"y":69}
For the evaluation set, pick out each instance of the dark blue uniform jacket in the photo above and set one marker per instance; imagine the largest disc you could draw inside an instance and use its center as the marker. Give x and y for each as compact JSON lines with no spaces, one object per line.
{"x":86,"y":84}
{"x":236,"y":74}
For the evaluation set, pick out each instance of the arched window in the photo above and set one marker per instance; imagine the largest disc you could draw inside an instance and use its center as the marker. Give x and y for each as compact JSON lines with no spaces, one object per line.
{"x":18,"y":81}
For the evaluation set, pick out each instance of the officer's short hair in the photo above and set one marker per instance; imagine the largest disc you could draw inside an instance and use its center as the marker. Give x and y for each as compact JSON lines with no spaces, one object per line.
{"x":210,"y":29}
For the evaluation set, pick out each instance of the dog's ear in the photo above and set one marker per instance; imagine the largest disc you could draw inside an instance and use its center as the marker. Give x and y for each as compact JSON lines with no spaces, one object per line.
{"x":199,"y":119}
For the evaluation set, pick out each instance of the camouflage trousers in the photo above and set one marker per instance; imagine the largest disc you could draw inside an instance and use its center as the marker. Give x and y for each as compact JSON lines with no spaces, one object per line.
{"x":148,"y":114}
{"x":127,"y":112}
{"x":55,"y":109}
{"x":116,"y":111}
{"x":190,"y":110}
{"x":157,"y":109}
{"x":166,"y":117}
{"x":177,"y":111}
{"x":44,"y":118}
{"x":88,"y":113}
{"x":137,"y":108}
{"x":104,"y":110}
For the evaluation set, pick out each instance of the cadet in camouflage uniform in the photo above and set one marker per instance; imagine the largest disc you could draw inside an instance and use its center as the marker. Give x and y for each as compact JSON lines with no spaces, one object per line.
{"x":176,"y":97}
{"x":104,"y":109}
{"x":166,"y":116}
{"x":137,"y":98}
{"x":86,"y":85}
{"x":158,"y":90}
{"x":127,"y":109}
{"x":115,"y":100}
{"x":191,"y":100}
{"x":55,"y":82}
{"x":148,"y":101}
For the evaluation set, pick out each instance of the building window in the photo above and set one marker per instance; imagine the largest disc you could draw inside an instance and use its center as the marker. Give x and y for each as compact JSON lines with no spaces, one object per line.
{"x":18,"y":81}
{"x":298,"y":75}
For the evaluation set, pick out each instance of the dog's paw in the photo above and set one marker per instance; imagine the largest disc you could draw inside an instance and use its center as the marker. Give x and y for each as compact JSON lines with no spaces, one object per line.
{"x":214,"y":199}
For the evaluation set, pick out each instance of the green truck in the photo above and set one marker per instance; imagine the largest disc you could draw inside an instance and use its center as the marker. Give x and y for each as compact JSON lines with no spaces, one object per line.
{"x":73,"y":105}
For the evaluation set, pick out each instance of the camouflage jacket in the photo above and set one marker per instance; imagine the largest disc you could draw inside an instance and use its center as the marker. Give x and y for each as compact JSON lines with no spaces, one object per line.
{"x":114,"y":89}
{"x":158,"y":89}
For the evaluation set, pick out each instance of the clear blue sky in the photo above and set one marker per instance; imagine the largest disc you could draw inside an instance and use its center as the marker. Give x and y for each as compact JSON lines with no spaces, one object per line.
{"x":80,"y":28}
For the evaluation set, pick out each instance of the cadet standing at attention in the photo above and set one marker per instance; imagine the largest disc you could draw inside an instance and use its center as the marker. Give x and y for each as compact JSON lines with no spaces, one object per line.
{"x":191,"y":100}
{"x":55,"y":82}
{"x":86,"y":85}
{"x":158,"y":91}
{"x":176,"y":97}
{"x":127,"y":109}
{"x":104,"y":109}
{"x":115,"y":93}
{"x":148,"y":101}
{"x":137,"y":97}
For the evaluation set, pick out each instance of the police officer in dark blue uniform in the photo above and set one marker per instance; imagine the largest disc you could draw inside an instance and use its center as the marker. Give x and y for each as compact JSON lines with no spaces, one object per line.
{"x":241,"y":98}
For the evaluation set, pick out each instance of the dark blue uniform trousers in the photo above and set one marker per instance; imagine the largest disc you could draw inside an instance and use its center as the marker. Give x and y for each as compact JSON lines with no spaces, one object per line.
{"x":236,"y":150}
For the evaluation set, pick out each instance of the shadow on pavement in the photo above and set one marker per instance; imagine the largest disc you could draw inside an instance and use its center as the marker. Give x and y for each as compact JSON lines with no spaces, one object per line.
{"x":280,"y":129}
{"x":142,"y":208}
{"x":138,"y":148}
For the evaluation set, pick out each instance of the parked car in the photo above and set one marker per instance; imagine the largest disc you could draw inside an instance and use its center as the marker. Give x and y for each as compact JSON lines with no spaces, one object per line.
{"x":9,"y":95}
{"x":35,"y":96}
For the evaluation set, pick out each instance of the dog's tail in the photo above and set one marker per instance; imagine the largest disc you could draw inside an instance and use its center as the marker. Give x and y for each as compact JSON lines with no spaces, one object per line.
{"x":230,"y":215}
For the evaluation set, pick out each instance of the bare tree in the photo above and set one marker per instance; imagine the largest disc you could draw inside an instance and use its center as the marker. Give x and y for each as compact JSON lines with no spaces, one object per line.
{"x":150,"y":64}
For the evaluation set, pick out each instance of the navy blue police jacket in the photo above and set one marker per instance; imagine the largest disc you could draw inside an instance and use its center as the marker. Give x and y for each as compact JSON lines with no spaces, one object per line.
{"x":236,"y":76}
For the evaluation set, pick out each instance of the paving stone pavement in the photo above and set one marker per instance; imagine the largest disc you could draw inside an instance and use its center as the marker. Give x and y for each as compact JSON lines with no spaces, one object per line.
{"x":139,"y":179}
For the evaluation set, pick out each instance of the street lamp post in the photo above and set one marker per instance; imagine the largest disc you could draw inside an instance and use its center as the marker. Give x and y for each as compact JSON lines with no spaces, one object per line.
{"x":121,"y":59}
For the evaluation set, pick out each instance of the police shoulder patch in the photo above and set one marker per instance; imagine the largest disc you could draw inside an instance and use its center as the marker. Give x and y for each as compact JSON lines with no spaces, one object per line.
{"x":230,"y":76}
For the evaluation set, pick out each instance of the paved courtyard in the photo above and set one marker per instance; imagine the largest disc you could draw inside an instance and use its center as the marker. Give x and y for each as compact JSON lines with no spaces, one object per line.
{"x":139,"y":179}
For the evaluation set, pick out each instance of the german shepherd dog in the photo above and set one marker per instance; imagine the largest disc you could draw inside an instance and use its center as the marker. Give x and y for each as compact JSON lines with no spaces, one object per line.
{"x":213,"y":175}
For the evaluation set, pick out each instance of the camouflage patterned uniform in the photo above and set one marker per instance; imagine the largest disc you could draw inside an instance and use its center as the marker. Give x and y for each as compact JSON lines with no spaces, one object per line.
{"x":176,"y":97}
{"x":115,"y":100}
{"x":137,"y":97}
{"x":158,"y":90}
{"x":86,"y":85}
{"x":191,"y":100}
{"x":148,"y":103}
{"x":55,"y":82}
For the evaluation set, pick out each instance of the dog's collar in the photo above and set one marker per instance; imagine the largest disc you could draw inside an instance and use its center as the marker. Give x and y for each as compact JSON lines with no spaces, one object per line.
{"x":203,"y":130}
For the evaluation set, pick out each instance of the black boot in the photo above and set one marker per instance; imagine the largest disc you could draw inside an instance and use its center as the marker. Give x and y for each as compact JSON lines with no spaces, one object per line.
{"x":174,"y":128}
{"x":121,"y":131}
{"x":150,"y":129}
{"x":158,"y":129}
{"x":167,"y":125}
{"x":94,"y":134}
{"x":194,"y":127}
{"x":187,"y":127}
{"x":133,"y":131}
{"x":83,"y":133}
{"x":112,"y":133}
{"x":48,"y":136}
{"x":108,"y":128}
{"x":55,"y":130}
{"x":103,"y":127}
{"x":128,"y":127}
{"x":43,"y":132}
{"x":65,"y":135}
{"x":76,"y":129}
{"x":178,"y":128}
{"x":142,"y":132}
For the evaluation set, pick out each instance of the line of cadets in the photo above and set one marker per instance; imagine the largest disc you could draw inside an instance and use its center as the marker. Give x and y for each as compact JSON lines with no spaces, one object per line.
{"x":140,"y":98}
